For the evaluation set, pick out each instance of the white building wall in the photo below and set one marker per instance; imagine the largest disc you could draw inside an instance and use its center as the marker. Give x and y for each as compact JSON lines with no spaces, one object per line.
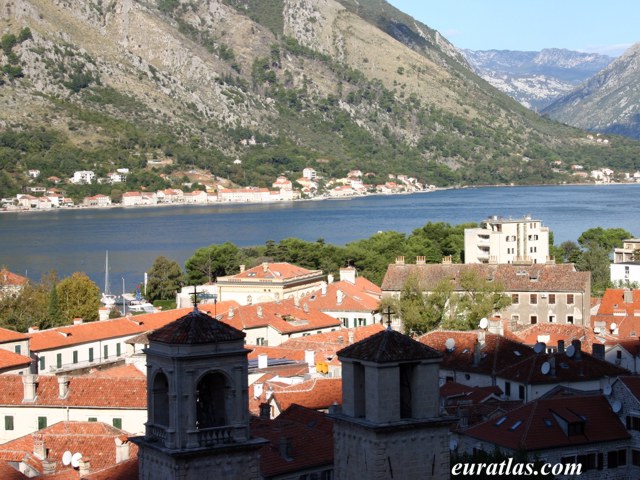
{"x":625,"y":273}
{"x":67,"y":357}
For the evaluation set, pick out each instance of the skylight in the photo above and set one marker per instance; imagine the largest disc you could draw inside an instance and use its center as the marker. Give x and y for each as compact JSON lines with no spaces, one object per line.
{"x":515,"y":425}
{"x":517,"y":353}
{"x":501,"y":421}
{"x":547,"y":422}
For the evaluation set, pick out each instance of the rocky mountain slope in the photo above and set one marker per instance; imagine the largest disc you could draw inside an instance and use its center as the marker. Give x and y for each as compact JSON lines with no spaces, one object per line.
{"x":608,"y":102}
{"x":535,"y":79}
{"x":278,"y":84}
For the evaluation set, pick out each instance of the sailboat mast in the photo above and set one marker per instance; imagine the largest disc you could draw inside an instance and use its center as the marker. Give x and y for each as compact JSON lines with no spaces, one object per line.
{"x":106,"y":274}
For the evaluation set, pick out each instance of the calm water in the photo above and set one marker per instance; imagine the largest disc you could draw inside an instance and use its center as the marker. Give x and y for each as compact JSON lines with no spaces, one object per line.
{"x":76,"y":240}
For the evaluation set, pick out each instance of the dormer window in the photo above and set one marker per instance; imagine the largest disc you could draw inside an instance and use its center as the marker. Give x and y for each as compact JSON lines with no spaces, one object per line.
{"x":575,"y":428}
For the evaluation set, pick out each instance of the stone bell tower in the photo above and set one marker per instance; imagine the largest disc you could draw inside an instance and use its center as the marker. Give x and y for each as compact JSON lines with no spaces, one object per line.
{"x":197,"y":401}
{"x":390,"y":425}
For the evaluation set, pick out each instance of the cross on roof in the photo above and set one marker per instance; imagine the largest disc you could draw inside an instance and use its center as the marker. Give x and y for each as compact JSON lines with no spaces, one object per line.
{"x":388,"y":312}
{"x":195,"y":298}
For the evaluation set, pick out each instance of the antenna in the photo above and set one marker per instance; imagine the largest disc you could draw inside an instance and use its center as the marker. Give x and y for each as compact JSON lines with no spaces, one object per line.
{"x":75,"y":459}
{"x":545,"y":368}
{"x":571,"y":351}
{"x":617,"y":406}
{"x":607,"y":390}
{"x":66,"y":458}
{"x":450,"y":344}
{"x":484,"y":323}
{"x":539,"y":347}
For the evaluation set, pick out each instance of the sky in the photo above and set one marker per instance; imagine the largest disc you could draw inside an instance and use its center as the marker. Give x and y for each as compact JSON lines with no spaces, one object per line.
{"x":608,"y":27}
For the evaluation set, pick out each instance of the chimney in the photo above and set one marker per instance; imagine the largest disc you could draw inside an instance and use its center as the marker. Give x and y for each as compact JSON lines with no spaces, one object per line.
{"x":29,"y":382}
{"x":63,"y":386}
{"x":259,"y":311}
{"x":481,"y":337}
{"x":400,"y":260}
{"x":310,"y":358}
{"x":77,"y":321}
{"x":103,"y":313}
{"x":476,"y":353}
{"x":598,"y":351}
{"x":34,"y":329}
{"x":339,"y":297}
{"x":85,"y":467}
{"x":351,"y":336}
{"x":231,"y":313}
{"x":560,"y":346}
{"x":39,"y":447}
{"x":265,"y":411}
{"x":348,"y":274}
{"x":263,"y":360}
{"x":628,"y":295}
{"x":242,"y":267}
{"x":265,"y":267}
{"x":578,"y":346}
{"x":305,"y":307}
{"x":122,"y":449}
{"x":48,"y":467}
{"x":421,"y":260}
{"x":286,"y":448}
{"x":329,"y":278}
{"x":323,"y":288}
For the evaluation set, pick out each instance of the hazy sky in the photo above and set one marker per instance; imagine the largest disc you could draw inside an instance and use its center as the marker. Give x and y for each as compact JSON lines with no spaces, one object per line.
{"x":607,"y":27}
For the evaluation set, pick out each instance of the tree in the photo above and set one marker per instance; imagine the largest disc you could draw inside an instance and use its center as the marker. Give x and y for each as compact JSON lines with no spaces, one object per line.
{"x":164,"y":279}
{"x":595,"y":259}
{"x":568,"y":252}
{"x":608,"y":238}
{"x":208,"y":263}
{"x":78,"y":297}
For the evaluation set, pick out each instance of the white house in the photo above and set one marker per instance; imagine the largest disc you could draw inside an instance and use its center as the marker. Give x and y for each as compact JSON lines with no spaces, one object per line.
{"x":83,"y":176}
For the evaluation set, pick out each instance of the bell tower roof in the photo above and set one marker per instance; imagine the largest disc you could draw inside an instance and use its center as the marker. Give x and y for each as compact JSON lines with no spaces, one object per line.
{"x":196,"y":327}
{"x":389,"y":346}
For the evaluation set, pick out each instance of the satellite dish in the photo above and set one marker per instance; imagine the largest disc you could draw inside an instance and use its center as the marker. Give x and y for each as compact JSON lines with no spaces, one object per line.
{"x":75,"y":459}
{"x":607,"y":390}
{"x":617,"y":406}
{"x":450,"y":344}
{"x":484,"y":323}
{"x":613,"y":326}
{"x":545,"y":368}
{"x":539,"y":347}
{"x":66,"y":458}
{"x":453,"y":445}
{"x":597,"y":330}
{"x":571,"y":351}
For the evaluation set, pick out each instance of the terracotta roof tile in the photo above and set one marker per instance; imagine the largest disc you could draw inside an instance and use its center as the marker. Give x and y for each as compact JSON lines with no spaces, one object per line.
{"x":84,"y":391}
{"x":389,"y":346}
{"x":9,"y":359}
{"x":550,"y":333}
{"x":311,"y":437}
{"x":632,"y":383}
{"x":317,"y":394}
{"x":277,"y":271}
{"x":127,"y":470}
{"x":613,"y":300}
{"x":537,"y":425}
{"x":8,"y":278}
{"x":11,"y":336}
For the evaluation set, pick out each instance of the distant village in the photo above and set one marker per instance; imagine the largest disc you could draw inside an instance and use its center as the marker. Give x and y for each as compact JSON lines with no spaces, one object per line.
{"x":282,"y":190}
{"x":280,"y":372}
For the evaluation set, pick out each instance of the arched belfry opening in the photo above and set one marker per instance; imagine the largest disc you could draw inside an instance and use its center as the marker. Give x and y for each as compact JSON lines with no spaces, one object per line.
{"x":160,"y":400}
{"x":211,"y":405}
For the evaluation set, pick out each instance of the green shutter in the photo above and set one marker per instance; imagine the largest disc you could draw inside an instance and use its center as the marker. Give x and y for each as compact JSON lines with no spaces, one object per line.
{"x":17,"y":349}
{"x":8,"y":422}
{"x":42,"y":423}
{"x":42,"y":364}
{"x":117,"y":422}
{"x":118,"y":349}
{"x":59,"y":360}
{"x":75,"y":356}
{"x":91,"y":354}
{"x":106,"y":351}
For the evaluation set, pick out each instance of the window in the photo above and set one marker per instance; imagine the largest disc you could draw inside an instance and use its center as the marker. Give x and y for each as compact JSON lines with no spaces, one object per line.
{"x":117,"y":422}
{"x":635,"y":457}
{"x":521,"y":392}
{"x":552,"y":299}
{"x":362,"y":322}
{"x":75,"y":356}
{"x":515,"y":298}
{"x":59,"y":360}
{"x":345,"y":322}
{"x":617,"y":458}
{"x":106,"y":351}
{"x":91,"y":354}
{"x":260,"y":341}
{"x":8,"y":422}
{"x":42,"y":364}
{"x":589,"y":461}
{"x":118,"y":349}
{"x":633,"y":422}
{"x":570,"y":319}
{"x":17,"y":349}
{"x":515,"y":319}
{"x":507,"y":389}
{"x":570,"y":299}
{"x":533,"y":299}
{"x":533,"y":319}
{"x":42,"y":423}
{"x":552,"y":318}
{"x":92,"y":419}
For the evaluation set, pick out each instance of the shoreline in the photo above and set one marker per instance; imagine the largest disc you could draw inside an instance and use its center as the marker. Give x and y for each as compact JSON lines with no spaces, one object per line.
{"x":314,"y":199}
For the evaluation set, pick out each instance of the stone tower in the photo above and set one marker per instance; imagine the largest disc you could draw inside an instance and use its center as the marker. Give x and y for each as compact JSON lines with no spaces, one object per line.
{"x":198,"y":410}
{"x":390,"y":425}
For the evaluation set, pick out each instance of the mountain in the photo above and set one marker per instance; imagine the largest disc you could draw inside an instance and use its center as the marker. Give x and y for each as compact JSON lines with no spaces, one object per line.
{"x":535,"y":79}
{"x":608,"y":102}
{"x":164,"y":87}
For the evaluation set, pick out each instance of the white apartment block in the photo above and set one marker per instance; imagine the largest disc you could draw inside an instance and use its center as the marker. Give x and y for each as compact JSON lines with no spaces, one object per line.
{"x":500,"y":240}
{"x":625,"y":269}
{"x":83,"y":176}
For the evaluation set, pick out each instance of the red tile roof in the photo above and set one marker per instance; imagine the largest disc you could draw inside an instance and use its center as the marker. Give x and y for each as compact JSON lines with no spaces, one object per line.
{"x":11,"y":336}
{"x":555,"y":332}
{"x":632,"y":383}
{"x":96,"y":442}
{"x":196,"y":327}
{"x":283,"y":316}
{"x":537,"y":425}
{"x":84,"y":391}
{"x":274,"y":271}
{"x":10,"y":360}
{"x":127,"y":470}
{"x":311,"y":436}
{"x":8,"y":278}
{"x":613,"y":302}
{"x":9,"y":473}
{"x":345,"y":297}
{"x":317,"y":394}
{"x":294,"y":354}
{"x":120,"y":371}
